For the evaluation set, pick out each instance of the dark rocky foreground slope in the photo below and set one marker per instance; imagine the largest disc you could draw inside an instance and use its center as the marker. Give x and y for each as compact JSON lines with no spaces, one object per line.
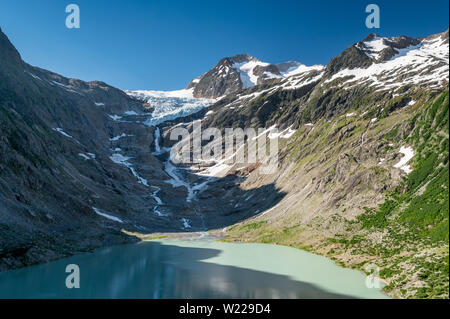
{"x":47,"y":189}
{"x":78,"y":169}
{"x":57,"y":139}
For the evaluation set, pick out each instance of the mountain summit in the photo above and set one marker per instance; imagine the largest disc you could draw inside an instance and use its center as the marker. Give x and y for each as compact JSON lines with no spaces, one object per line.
{"x":242,"y":71}
{"x":7,"y":50}
{"x":389,"y":62}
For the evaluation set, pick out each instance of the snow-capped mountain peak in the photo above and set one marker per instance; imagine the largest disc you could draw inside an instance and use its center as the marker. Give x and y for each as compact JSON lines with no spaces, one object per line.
{"x":242,"y":71}
{"x":384,"y":48}
{"x":389,"y":63}
{"x":250,"y":70}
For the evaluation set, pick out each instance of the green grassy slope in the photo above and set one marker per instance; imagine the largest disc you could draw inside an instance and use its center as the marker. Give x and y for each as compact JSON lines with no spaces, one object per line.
{"x":406,"y":233}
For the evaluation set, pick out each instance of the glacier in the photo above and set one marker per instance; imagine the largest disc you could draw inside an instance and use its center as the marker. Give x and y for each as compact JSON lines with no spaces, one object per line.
{"x":170,"y":105}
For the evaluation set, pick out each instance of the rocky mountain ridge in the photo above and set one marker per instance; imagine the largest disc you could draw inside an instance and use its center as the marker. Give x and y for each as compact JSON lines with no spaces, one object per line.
{"x":242,"y":71}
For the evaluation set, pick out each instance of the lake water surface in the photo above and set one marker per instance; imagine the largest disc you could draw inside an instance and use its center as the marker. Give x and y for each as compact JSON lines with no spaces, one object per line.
{"x":190,"y":269}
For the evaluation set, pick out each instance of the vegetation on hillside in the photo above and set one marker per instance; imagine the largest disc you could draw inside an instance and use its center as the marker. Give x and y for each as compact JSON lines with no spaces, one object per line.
{"x":406,"y":235}
{"x":416,"y":213}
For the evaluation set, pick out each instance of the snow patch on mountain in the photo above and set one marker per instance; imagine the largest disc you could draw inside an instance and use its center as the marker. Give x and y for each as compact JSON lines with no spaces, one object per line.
{"x":116,"y":138}
{"x":374,"y":47}
{"x":33,"y":75}
{"x":289,"y":69}
{"x":286,"y":134}
{"x":84,"y":156}
{"x":113,"y":218}
{"x":87,"y":156}
{"x":300,"y":68}
{"x":115,"y":117}
{"x":61,"y":131}
{"x":426,"y":63}
{"x":246,"y":71}
{"x":123,"y":160}
{"x":302,"y":79}
{"x":186,"y":223}
{"x":408,"y":153}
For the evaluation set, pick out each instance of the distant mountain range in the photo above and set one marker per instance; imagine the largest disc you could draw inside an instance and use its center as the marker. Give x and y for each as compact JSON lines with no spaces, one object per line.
{"x":374,"y":56}
{"x":242,"y":71}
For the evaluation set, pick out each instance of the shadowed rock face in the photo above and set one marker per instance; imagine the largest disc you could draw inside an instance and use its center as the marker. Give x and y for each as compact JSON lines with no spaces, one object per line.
{"x":59,"y":181}
{"x":55,"y":166}
{"x":350,"y":58}
{"x":7,"y":50}
{"x":221,"y":80}
{"x":47,"y":189}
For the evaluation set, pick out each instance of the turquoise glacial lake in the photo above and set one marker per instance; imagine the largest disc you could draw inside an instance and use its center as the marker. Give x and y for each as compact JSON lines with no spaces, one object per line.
{"x":190,"y":269}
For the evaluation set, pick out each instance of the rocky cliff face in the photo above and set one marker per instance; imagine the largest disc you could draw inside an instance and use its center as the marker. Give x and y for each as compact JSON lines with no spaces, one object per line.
{"x":71,"y":151}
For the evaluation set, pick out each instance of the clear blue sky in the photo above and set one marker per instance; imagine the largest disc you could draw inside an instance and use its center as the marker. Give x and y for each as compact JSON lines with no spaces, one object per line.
{"x":163,"y":44}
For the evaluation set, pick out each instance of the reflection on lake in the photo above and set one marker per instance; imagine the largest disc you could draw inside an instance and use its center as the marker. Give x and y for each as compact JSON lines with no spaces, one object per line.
{"x":190,"y":269}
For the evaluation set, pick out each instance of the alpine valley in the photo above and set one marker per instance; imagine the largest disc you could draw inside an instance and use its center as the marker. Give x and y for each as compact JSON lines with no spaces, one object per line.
{"x":362,"y":177}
